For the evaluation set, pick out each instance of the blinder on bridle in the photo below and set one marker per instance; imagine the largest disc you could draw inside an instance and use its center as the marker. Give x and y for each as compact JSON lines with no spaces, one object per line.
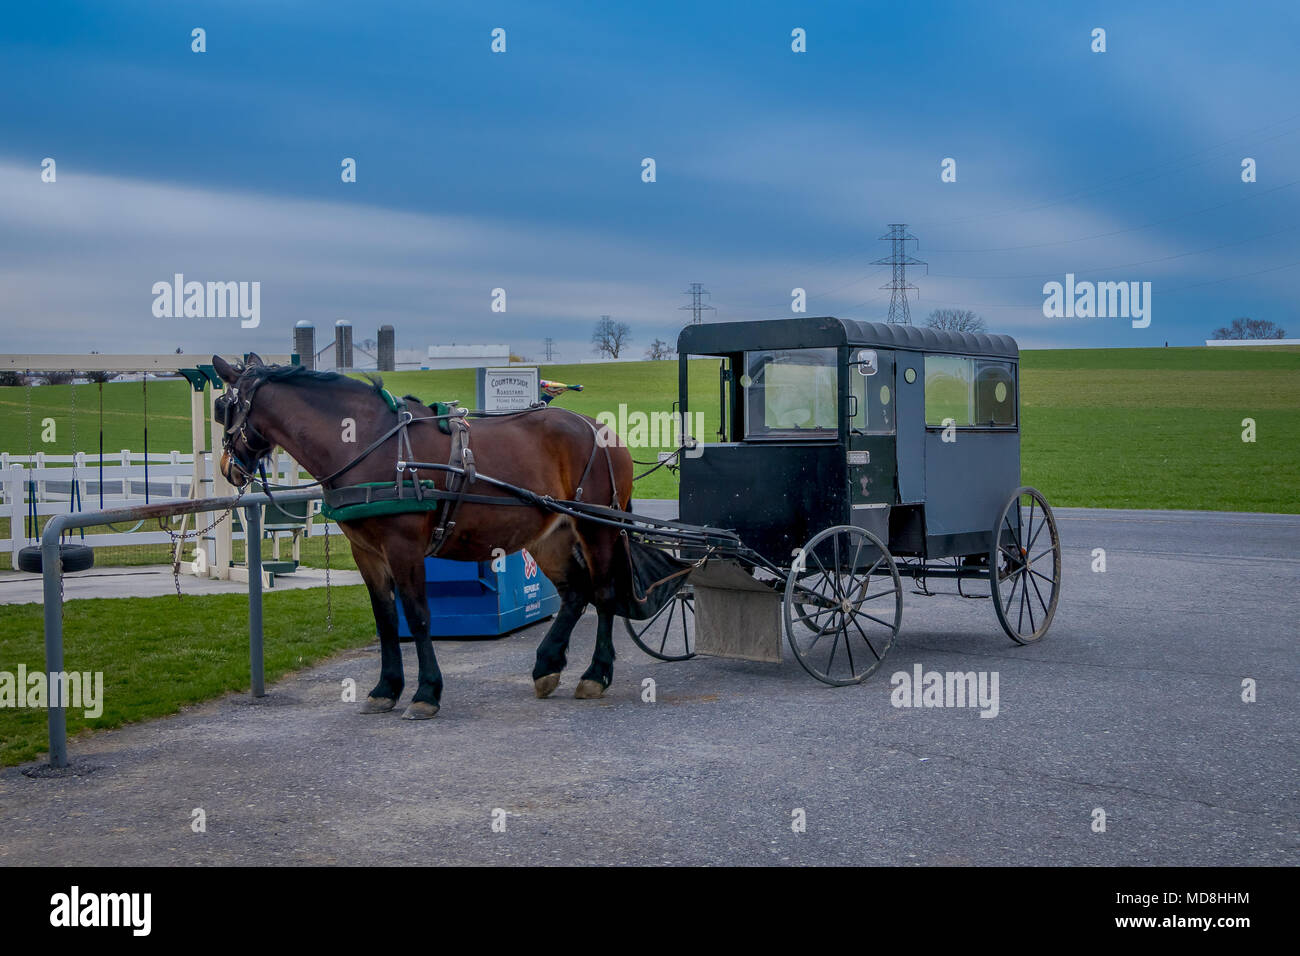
{"x":232,"y":410}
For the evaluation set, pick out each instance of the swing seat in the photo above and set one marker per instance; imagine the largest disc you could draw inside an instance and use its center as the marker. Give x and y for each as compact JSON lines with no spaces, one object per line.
{"x":76,"y":557}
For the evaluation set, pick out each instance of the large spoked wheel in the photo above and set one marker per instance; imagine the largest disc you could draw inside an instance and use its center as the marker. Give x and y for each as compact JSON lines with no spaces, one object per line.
{"x":843,"y":605}
{"x":814,"y":616}
{"x":1025,"y":566}
{"x":670,"y":634}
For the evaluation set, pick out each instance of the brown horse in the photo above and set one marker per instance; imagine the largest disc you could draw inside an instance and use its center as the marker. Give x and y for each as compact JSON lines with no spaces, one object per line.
{"x":552,"y":451}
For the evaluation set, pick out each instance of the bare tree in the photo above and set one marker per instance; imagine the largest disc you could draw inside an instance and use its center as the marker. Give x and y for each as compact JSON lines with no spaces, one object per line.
{"x":610,"y":337}
{"x":955,"y":320}
{"x":58,"y":378}
{"x":659,"y":350}
{"x":9,"y":379}
{"x":100,"y":377}
{"x":1244,"y":328}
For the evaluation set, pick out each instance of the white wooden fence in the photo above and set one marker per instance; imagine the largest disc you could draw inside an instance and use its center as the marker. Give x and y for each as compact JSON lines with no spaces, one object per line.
{"x":170,"y":476}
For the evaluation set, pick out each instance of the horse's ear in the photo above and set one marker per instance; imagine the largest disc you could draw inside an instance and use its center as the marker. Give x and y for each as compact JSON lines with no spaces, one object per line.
{"x":229,"y":374}
{"x":253,"y":359}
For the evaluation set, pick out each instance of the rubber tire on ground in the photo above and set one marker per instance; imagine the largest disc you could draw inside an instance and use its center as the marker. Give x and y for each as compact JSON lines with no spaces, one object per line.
{"x":76,"y":557}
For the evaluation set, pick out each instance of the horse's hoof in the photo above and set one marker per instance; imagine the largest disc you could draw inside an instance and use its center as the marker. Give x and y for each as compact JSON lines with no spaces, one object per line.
{"x":378,"y":705}
{"x":589,"y":690}
{"x":419,"y":710}
{"x":545,"y":686}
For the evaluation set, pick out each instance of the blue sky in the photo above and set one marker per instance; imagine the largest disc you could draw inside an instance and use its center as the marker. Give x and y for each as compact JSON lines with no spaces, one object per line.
{"x":521,"y":170}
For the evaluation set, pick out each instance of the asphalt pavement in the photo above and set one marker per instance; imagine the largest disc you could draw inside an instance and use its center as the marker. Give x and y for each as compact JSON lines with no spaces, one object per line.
{"x":1132,"y":708}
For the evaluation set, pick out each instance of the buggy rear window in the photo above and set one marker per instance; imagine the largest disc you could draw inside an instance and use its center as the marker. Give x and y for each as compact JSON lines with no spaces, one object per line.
{"x":971,"y":392}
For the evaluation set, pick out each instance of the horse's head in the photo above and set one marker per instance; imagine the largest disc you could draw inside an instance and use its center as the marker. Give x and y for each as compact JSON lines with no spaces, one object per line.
{"x":243,"y":446}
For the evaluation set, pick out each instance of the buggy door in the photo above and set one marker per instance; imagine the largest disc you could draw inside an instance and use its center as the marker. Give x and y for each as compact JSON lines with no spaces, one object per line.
{"x":872,"y":442}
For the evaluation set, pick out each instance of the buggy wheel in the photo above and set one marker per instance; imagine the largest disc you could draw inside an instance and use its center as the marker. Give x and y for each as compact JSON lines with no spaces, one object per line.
{"x":839,"y":626}
{"x":670,"y":634}
{"x":1025,"y":566}
{"x":814,"y":616}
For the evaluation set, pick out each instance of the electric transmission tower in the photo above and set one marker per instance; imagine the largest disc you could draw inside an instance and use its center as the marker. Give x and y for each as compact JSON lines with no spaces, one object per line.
{"x":549,"y":345}
{"x":898,"y":285}
{"x":697,"y":303}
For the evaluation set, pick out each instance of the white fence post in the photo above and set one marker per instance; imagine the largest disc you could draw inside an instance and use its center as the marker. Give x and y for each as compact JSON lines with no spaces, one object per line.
{"x":15,"y":493}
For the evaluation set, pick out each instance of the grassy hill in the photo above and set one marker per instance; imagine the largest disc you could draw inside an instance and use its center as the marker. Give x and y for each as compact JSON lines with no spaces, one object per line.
{"x":1140,"y":428}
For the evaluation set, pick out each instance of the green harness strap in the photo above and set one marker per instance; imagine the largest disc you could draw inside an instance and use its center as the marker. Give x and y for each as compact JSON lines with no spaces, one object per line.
{"x":398,"y":506}
{"x":374,"y":509}
{"x":440,"y":409}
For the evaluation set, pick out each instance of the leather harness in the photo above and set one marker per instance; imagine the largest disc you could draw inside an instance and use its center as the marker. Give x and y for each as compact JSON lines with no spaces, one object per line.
{"x":407,"y":493}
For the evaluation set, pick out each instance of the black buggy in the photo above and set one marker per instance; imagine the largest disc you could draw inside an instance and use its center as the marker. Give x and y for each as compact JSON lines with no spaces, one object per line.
{"x":847,"y":455}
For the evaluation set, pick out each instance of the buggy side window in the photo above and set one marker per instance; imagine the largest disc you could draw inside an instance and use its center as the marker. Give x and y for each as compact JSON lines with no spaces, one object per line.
{"x":949,"y":391}
{"x":973,"y":393}
{"x":874,"y":393}
{"x":995,"y":394}
{"x":790,"y":393}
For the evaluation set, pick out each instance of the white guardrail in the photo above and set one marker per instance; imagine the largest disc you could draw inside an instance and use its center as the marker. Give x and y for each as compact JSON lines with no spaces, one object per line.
{"x":170,"y":476}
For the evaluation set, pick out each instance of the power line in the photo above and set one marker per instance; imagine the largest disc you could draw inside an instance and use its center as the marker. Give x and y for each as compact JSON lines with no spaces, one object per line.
{"x":697,"y":305}
{"x":898,"y":286}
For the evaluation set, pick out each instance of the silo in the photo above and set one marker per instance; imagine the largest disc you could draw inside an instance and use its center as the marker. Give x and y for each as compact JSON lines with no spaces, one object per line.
{"x":387,"y":348}
{"x":304,"y":343}
{"x":343,"y":345}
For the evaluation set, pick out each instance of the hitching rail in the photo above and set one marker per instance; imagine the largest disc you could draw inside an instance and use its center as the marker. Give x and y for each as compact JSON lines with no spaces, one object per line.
{"x":52,"y":574}
{"x":656,"y":532}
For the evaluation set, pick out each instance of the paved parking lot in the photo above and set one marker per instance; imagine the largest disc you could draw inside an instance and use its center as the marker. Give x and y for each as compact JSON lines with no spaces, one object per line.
{"x":1132,"y":705}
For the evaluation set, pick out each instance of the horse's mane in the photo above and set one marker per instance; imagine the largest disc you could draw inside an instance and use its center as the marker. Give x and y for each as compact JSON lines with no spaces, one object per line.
{"x":310,"y":378}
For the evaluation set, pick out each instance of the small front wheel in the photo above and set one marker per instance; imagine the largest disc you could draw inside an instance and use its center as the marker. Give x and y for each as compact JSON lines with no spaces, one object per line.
{"x":670,"y":634}
{"x":843,"y":605}
{"x":1025,"y":566}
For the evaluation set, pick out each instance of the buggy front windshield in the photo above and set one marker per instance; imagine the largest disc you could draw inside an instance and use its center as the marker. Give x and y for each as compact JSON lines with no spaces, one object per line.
{"x":791,"y":393}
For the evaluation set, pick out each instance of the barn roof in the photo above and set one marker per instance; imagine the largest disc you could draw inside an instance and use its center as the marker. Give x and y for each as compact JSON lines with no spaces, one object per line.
{"x":827,"y":331}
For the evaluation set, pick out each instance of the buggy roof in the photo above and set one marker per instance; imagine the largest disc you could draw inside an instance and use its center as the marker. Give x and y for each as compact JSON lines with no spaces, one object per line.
{"x":719,"y":338}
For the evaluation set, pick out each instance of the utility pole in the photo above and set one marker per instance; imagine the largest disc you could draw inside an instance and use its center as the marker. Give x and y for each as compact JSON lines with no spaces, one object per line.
{"x":697,"y":304}
{"x":549,"y":345}
{"x":898,"y":286}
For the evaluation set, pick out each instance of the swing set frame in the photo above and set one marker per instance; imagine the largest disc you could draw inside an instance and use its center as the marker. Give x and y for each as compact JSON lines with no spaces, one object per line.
{"x":203,"y":428}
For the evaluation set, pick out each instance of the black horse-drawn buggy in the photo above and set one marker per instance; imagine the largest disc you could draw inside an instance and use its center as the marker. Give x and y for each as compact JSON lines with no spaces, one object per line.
{"x":848,"y":456}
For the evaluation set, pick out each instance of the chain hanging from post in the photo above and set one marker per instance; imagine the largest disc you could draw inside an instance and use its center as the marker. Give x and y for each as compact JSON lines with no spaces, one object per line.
{"x":74,"y":489}
{"x":178,"y":539}
{"x":329,"y":597}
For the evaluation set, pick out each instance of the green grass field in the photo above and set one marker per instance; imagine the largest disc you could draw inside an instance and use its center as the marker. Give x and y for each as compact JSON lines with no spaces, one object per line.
{"x":1140,"y":428}
{"x":158,"y":655}
{"x":1162,"y":428}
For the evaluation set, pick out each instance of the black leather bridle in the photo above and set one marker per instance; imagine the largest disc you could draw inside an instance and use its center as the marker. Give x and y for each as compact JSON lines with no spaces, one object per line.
{"x":232,"y":410}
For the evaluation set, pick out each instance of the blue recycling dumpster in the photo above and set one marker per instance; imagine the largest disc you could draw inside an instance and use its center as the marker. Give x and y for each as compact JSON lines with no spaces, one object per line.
{"x":472,"y":599}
